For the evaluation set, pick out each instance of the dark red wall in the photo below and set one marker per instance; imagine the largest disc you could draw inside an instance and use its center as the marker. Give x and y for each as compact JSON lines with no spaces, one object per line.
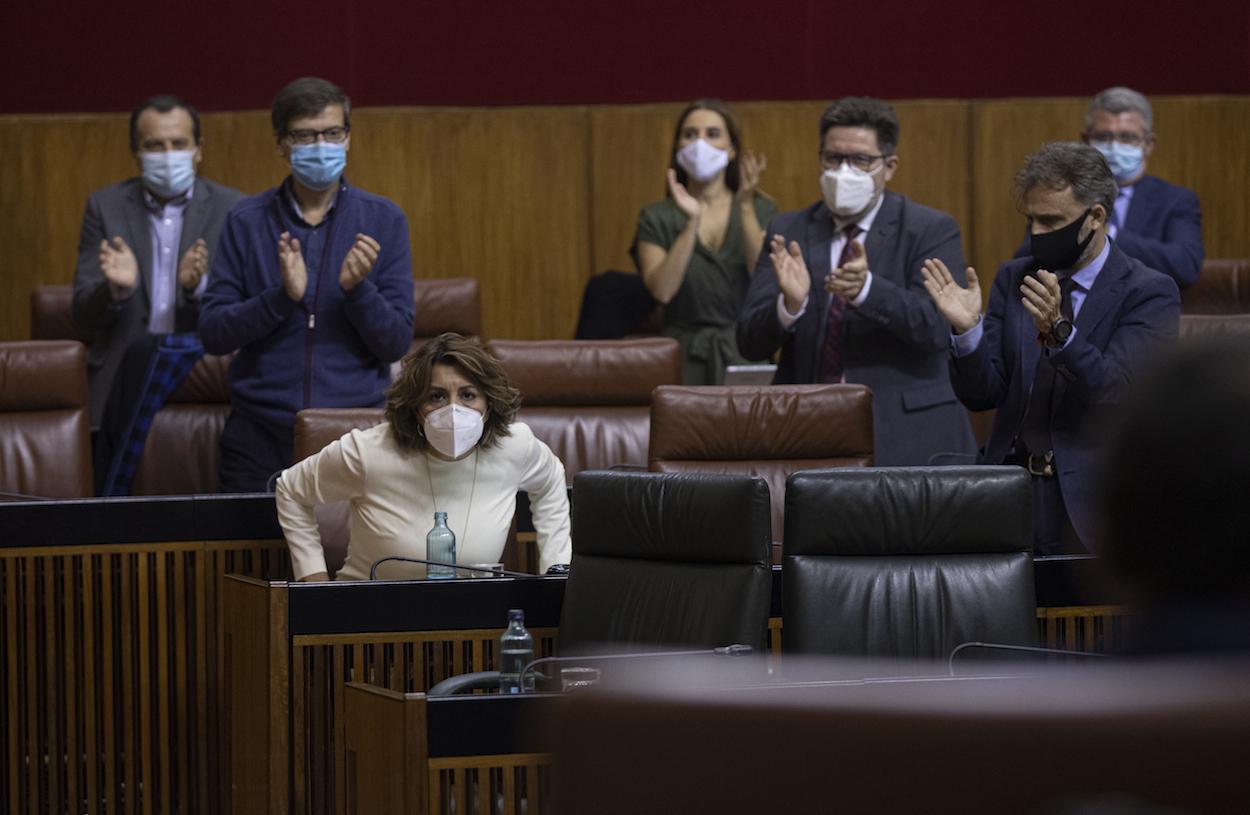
{"x":234,"y":55}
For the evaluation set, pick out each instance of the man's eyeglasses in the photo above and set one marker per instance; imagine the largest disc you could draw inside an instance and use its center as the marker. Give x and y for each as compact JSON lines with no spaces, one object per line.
{"x":860,"y":161}
{"x":334,"y":135}
{"x":1129,"y":137}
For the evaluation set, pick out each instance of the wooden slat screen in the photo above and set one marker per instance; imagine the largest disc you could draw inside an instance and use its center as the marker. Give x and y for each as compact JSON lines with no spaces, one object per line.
{"x":110,"y":659}
{"x":413,"y":662}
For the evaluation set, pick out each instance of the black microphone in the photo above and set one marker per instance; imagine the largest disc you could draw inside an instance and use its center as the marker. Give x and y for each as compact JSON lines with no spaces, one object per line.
{"x":373,"y":570}
{"x":735,"y":650}
{"x":1029,"y":649}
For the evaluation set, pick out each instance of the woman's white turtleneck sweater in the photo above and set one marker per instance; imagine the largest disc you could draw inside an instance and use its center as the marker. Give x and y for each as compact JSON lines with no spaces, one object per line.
{"x":394,"y":496}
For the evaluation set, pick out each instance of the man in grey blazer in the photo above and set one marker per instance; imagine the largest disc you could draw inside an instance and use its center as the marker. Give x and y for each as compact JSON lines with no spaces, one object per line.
{"x":838,"y":289}
{"x":145,"y":244}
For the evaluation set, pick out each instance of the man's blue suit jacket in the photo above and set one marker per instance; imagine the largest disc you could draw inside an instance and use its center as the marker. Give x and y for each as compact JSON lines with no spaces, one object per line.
{"x":1163,"y":230}
{"x":1130,"y":312}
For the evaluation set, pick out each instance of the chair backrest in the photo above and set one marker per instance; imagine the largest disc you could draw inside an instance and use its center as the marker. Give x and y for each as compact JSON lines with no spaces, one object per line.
{"x":45,"y":426}
{"x":1202,"y":325}
{"x":182,"y":453}
{"x":314,"y":429}
{"x":769,"y":431}
{"x":52,"y":315}
{"x":907,"y":561}
{"x":590,"y":400}
{"x":667,"y":560}
{"x":448,"y":304}
{"x":1222,"y":288}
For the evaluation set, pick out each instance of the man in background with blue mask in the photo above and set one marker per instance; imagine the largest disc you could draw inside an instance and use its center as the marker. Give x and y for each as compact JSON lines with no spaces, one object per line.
{"x":838,"y":289}
{"x":1158,"y":223}
{"x":146,"y":244}
{"x":312,"y":286}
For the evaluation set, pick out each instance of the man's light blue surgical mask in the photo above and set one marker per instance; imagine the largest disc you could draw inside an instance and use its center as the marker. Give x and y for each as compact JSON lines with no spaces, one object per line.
{"x":1125,"y":159}
{"x":169,"y":173}
{"x":318,"y":165}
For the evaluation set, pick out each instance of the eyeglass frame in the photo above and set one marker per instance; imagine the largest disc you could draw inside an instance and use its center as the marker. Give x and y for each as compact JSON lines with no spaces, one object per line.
{"x":873,"y":163}
{"x":310,"y":136}
{"x":1133,"y":140}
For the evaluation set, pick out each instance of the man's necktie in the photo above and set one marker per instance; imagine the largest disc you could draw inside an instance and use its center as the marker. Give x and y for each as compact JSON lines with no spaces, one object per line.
{"x":1036,"y":428}
{"x":831,"y":354}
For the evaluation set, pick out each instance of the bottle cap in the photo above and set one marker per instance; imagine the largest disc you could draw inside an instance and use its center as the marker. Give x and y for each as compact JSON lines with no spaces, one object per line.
{"x":516,"y":614}
{"x":440,"y":516}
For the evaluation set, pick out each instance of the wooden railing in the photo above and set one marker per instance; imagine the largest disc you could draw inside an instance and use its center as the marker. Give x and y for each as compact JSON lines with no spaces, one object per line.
{"x":292,"y":649}
{"x":394,"y":763}
{"x":109,"y":662}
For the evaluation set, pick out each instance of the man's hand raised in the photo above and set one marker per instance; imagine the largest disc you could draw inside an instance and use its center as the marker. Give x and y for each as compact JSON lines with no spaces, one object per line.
{"x":359,"y":261}
{"x":291,"y":264}
{"x":792,"y":275}
{"x":960,"y":306}
{"x":119,"y":266}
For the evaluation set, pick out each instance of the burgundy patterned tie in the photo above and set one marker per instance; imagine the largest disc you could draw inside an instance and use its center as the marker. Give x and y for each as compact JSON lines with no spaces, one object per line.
{"x":831,"y":355}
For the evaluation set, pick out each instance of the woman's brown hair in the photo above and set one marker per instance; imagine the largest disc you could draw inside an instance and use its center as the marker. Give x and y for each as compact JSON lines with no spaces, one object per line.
{"x":406,"y":394}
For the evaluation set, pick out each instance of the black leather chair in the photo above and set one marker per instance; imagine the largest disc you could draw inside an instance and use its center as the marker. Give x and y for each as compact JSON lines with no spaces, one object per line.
{"x":661,"y":561}
{"x":907,"y":561}
{"x":679,"y":559}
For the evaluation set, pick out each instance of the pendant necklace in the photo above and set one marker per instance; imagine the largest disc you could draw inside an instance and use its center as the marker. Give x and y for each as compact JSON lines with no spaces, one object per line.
{"x":472,"y":488}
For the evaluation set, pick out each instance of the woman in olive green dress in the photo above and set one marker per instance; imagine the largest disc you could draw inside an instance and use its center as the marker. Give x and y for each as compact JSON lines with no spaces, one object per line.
{"x":696,"y":249}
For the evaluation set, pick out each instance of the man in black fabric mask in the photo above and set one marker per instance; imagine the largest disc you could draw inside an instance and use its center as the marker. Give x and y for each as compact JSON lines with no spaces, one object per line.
{"x":1065,"y":331}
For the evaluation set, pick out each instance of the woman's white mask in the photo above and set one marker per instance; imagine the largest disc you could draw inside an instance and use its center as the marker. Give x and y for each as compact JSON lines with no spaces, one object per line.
{"x":702,"y":161}
{"x":453,"y":430}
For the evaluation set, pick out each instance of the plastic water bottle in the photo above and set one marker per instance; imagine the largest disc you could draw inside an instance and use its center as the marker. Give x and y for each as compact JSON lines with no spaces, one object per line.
{"x":440,"y":545}
{"x":516,"y":650}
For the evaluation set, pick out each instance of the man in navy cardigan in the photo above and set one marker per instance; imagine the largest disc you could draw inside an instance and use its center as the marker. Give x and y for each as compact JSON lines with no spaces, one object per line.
{"x":312,"y":284}
{"x":1155,"y":222}
{"x":1065,"y":334}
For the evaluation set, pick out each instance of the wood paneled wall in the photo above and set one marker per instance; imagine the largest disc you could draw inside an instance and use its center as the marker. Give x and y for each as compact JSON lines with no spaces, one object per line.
{"x":532,"y":201}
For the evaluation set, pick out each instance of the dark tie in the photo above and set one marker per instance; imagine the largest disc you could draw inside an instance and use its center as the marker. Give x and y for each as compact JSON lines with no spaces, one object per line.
{"x":1036,"y":428}
{"x":831,"y":355}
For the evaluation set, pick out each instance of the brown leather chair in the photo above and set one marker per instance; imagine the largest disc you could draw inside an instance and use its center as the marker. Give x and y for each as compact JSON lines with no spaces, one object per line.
{"x":183,"y":448}
{"x":589,"y":400}
{"x":315,"y":429}
{"x":1222,"y":288}
{"x":449,"y":304}
{"x":1203,"y":325}
{"x":45,"y":426}
{"x":52,"y":315}
{"x":770,"y":431}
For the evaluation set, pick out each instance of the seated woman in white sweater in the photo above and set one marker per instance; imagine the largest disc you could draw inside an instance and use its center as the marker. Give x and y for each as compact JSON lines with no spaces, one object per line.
{"x":449,"y":444}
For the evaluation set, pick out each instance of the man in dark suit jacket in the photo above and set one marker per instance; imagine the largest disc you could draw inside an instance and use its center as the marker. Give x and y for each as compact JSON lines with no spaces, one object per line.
{"x":1065,"y":331}
{"x":145,"y":244}
{"x":1155,"y":222}
{"x":839,"y":291}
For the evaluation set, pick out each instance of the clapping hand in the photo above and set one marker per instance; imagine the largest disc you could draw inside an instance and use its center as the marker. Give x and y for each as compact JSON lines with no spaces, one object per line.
{"x":686,"y":202}
{"x":193,"y":266}
{"x":959,"y":305}
{"x":848,"y":280}
{"x":792,"y":275}
{"x":359,"y":261}
{"x":291,"y":264}
{"x":1041,"y":298}
{"x":750,"y":167}
{"x":119,"y":266}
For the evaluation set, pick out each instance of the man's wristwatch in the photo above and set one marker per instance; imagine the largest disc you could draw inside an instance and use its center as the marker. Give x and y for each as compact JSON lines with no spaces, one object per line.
{"x":1060,"y":331}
